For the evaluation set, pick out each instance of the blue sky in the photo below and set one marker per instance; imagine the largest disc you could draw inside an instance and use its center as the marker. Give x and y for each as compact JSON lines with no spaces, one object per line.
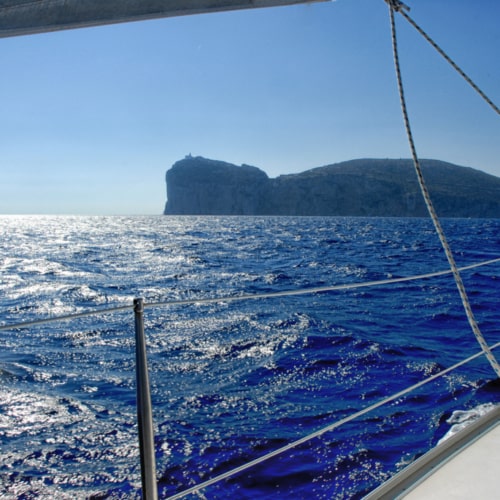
{"x":91,"y":119}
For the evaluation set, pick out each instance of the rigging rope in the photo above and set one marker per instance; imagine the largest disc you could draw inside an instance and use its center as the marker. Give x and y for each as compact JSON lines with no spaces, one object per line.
{"x":449,"y":60}
{"x":397,"y":6}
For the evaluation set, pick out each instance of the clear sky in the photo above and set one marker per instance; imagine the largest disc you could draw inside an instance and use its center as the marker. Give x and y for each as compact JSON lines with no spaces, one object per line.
{"x":91,"y":119}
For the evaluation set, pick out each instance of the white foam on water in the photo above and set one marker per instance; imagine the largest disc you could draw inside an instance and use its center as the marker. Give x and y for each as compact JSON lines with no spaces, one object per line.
{"x":460,"y":419}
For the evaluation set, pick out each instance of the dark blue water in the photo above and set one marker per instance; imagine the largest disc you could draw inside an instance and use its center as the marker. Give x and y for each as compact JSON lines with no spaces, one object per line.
{"x":232,"y":381}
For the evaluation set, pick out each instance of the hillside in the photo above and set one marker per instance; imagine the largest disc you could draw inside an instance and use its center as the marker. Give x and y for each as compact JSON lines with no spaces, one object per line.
{"x":365,"y":187}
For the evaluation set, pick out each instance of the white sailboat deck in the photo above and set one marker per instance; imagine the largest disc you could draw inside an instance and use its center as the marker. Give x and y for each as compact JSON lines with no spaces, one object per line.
{"x":471,"y":473}
{"x":462,"y":467}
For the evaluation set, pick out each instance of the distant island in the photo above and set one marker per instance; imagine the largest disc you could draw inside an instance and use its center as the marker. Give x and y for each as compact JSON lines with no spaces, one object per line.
{"x":364,"y":187}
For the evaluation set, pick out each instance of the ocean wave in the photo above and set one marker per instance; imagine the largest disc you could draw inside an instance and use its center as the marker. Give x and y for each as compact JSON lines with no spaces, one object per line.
{"x":231,"y":381}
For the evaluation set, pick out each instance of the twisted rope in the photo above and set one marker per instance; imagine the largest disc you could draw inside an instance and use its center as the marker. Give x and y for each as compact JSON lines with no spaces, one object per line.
{"x":446,"y":56}
{"x":423,"y":187}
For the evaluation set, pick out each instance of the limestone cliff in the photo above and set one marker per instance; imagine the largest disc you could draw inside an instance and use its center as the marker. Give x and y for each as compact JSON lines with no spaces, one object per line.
{"x":197,"y":186}
{"x":368,"y":187}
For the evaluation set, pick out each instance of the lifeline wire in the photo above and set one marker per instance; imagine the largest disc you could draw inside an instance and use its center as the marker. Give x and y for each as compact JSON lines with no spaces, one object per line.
{"x":328,"y":428}
{"x":396,"y":6}
{"x":235,"y":298}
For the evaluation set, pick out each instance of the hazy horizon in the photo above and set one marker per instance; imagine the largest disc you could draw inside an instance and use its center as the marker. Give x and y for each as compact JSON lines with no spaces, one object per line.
{"x":93,"y":118}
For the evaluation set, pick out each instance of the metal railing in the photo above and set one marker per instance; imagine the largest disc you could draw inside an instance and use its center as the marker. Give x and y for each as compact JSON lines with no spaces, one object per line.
{"x":144,"y":406}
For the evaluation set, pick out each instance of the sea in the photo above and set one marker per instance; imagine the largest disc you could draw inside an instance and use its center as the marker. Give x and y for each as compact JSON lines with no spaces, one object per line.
{"x":234,"y":380}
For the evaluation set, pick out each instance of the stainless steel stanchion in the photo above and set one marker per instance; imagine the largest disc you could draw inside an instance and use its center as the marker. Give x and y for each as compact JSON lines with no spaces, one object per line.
{"x":144,"y":413}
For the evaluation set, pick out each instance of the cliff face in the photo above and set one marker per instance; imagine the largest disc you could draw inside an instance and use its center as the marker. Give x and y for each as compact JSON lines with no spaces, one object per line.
{"x":197,"y":186}
{"x":371,"y":187}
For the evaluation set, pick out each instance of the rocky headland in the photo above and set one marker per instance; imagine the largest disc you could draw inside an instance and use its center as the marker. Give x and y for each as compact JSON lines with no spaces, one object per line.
{"x":365,"y":187}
